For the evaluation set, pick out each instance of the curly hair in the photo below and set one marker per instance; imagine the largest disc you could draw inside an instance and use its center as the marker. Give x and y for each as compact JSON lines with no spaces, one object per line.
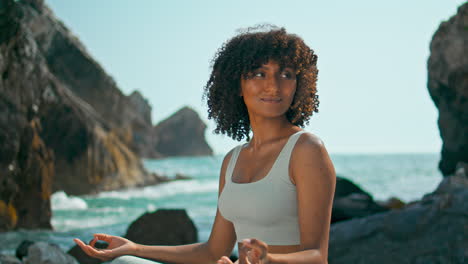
{"x":243,"y":54}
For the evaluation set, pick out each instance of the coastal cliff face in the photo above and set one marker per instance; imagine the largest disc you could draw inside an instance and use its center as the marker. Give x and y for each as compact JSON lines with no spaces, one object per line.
{"x":26,"y":162}
{"x":128,"y":117}
{"x":432,"y":230}
{"x":448,"y":87}
{"x":64,"y":123}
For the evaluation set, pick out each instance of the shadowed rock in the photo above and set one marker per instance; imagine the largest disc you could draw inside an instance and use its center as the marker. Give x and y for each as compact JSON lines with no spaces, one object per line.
{"x":182,"y":134}
{"x":351,"y":201}
{"x":448,"y":86}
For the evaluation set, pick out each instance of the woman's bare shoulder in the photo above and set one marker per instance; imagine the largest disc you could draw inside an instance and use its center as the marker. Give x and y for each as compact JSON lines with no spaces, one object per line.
{"x":311,"y":157}
{"x":309,"y":142}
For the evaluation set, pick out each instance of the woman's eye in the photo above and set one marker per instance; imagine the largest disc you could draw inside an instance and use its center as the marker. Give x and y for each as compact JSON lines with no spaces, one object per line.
{"x":258,"y":74}
{"x":287,"y":75}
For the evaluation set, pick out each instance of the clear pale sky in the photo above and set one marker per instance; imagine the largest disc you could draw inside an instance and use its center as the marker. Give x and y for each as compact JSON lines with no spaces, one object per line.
{"x":372,"y":60}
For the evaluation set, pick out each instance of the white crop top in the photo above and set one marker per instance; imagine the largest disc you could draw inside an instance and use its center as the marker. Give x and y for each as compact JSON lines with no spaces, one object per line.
{"x":265,"y":209}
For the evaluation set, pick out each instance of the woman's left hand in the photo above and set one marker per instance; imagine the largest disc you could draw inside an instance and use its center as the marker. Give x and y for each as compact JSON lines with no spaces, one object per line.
{"x":251,"y":251}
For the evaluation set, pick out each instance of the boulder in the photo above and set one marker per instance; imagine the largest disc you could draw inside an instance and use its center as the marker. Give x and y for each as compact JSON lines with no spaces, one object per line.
{"x":429,"y":231}
{"x":163,"y":227}
{"x":447,"y":83}
{"x":5,"y":259}
{"x":182,"y":134}
{"x":45,"y":253}
{"x":22,"y":249}
{"x":350,"y":201}
{"x":84,"y":258}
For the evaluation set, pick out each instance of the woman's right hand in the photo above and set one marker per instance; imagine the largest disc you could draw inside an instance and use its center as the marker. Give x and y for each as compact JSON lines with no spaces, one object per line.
{"x":118,"y":246}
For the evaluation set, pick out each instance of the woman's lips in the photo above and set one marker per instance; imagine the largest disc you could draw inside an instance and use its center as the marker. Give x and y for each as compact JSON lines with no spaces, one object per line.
{"x":271,"y":100}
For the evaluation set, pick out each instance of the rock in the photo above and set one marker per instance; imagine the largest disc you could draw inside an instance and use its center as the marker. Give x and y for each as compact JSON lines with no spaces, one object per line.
{"x":447,"y":84}
{"x":141,"y":105}
{"x":351,"y":201}
{"x":45,"y":253}
{"x":180,"y":176}
{"x":450,"y":184}
{"x":40,"y":115}
{"x":392,"y":203}
{"x":182,"y":134}
{"x":84,"y":258}
{"x":163,"y":227}
{"x":430,"y":231}
{"x":22,"y":249}
{"x":4,"y":259}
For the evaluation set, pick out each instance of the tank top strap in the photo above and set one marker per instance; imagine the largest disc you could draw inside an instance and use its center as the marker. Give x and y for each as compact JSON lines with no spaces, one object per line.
{"x":232,"y":163}
{"x":287,"y":149}
{"x":281,"y":166}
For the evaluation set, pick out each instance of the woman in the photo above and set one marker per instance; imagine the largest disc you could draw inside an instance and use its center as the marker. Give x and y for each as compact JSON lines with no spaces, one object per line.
{"x":276,"y":191}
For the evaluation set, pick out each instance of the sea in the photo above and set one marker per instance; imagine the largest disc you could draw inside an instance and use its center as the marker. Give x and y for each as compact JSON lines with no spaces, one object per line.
{"x":405,"y":176}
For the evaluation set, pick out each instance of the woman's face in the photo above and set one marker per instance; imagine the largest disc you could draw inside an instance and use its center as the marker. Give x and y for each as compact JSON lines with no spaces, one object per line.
{"x":269,"y":90}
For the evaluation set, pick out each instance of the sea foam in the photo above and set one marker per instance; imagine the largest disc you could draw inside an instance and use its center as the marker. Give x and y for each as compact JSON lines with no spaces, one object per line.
{"x":61,"y":201}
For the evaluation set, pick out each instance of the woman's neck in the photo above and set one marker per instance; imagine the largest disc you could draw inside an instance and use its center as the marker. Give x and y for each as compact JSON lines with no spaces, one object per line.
{"x":268,"y":130}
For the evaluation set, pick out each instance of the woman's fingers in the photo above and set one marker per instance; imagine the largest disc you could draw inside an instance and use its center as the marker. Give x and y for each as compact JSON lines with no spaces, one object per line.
{"x":224,"y":260}
{"x":253,"y":250}
{"x":91,"y":251}
{"x":103,"y":237}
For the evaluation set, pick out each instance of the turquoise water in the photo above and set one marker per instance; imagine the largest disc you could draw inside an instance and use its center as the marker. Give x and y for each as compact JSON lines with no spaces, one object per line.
{"x":406,"y":176}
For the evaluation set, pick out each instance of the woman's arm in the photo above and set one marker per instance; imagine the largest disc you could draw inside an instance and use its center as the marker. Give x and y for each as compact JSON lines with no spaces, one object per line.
{"x":313,"y":174}
{"x":221,"y":242}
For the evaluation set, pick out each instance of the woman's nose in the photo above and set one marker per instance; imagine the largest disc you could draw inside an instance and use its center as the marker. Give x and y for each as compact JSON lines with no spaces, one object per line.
{"x":272,"y":84}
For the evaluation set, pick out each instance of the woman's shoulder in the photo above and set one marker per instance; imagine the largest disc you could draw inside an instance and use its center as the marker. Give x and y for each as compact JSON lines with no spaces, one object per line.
{"x":309,"y":146}
{"x":309,"y":141}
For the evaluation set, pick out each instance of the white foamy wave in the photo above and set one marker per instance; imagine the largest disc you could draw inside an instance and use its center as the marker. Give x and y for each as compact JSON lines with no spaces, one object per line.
{"x":163,"y":190}
{"x":61,"y":201}
{"x":91,"y":222}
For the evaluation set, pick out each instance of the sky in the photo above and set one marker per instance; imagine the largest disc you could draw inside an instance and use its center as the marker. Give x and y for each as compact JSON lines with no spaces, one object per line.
{"x":372,"y":60}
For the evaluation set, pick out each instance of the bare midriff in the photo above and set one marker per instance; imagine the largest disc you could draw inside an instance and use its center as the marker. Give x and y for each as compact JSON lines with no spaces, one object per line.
{"x":280,"y":249}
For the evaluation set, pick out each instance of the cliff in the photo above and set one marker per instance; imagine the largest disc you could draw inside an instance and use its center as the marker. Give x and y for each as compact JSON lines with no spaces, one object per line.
{"x":432,"y":230}
{"x":64,"y":123}
{"x":448,"y":86}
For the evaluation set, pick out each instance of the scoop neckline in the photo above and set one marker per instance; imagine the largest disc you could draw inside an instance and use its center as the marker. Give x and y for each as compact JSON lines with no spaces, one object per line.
{"x":271,"y":168}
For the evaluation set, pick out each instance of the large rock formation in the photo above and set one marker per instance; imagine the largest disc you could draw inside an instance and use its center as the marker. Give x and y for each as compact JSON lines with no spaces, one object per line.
{"x":430,"y":231}
{"x":128,"y":117}
{"x":50,"y":138}
{"x":448,"y":87}
{"x":64,"y":124}
{"x":26,"y":163}
{"x":182,"y":134}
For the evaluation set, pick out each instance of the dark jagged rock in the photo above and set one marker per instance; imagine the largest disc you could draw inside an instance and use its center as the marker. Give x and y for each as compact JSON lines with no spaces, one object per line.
{"x":182,"y":134}
{"x":129,"y":117}
{"x":50,"y":138}
{"x":163,"y":227}
{"x":22,"y":249}
{"x":429,"y":231}
{"x":432,"y":230}
{"x":350,"y":201}
{"x":448,"y":87}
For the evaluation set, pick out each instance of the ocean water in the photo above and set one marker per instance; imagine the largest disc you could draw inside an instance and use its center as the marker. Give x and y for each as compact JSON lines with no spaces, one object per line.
{"x":406,"y":176}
